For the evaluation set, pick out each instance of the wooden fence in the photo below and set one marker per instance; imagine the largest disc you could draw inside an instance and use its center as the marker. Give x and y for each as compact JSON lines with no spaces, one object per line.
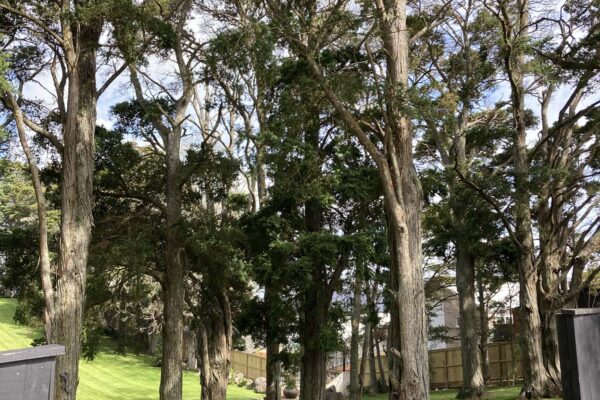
{"x":445,"y":365}
{"x":251,"y":365}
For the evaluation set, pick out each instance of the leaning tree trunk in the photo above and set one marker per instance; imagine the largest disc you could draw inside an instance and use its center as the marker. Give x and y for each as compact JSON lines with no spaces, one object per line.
{"x":171,"y":384}
{"x":45,"y":269}
{"x":473,"y":384}
{"x":215,"y":336}
{"x":76,"y":209}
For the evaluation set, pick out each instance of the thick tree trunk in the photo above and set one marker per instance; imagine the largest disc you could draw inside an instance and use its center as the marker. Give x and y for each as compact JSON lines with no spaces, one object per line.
{"x":273,"y":362}
{"x":409,"y":363}
{"x":313,"y":363}
{"x":354,"y":388}
{"x":45,"y":268}
{"x":214,"y":347}
{"x":473,"y":384}
{"x":76,"y":209}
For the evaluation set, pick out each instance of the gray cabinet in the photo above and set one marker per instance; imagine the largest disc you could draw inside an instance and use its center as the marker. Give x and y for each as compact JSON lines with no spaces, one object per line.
{"x":579,"y":345}
{"x":28,"y":374}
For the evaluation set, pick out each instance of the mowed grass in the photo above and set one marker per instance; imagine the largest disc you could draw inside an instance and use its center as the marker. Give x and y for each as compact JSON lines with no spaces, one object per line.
{"x":494,"y":394}
{"x":110,"y":376}
{"x":115,"y":377}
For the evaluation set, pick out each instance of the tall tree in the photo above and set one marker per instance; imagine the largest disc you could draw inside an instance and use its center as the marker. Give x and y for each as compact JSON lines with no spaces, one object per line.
{"x":388,"y":140}
{"x":69,"y":32}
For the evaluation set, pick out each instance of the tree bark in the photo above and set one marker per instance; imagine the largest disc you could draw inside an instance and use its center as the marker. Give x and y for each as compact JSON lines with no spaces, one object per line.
{"x":173,"y":288}
{"x":374,"y":381}
{"x":215,"y":336}
{"x":76,"y":204}
{"x":382,"y":379}
{"x":190,"y":343}
{"x":473,"y":383}
{"x":536,"y":382}
{"x":409,"y":364}
{"x":409,"y":370}
{"x":273,"y":363}
{"x":354,"y":388}
{"x":483,"y":332}
{"x":364,"y":357}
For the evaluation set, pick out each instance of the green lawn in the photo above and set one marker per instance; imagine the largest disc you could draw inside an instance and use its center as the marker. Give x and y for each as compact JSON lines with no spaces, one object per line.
{"x":114,"y":377}
{"x":494,"y":394}
{"x":110,"y":376}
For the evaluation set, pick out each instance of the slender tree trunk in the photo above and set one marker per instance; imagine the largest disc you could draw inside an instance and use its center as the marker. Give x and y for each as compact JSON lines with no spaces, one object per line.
{"x":190,"y":343}
{"x":214,"y":346}
{"x":45,"y":268}
{"x":364,"y":357}
{"x":382,"y":378}
{"x":374,"y":381}
{"x":473,"y":384}
{"x":173,"y":288}
{"x":354,"y":388}
{"x":76,"y":208}
{"x":483,"y":332}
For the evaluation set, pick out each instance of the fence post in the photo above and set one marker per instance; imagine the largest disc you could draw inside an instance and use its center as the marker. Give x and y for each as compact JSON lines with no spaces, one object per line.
{"x":446,"y":367}
{"x":247,"y":363}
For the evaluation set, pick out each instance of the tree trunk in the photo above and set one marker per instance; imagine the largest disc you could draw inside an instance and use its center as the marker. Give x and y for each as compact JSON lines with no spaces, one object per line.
{"x":382,"y":379}
{"x":190,"y":343}
{"x":409,"y":364}
{"x":76,"y":208}
{"x":273,"y":363}
{"x":374,"y":381}
{"x":173,"y":288}
{"x":313,"y":364}
{"x":483,"y":333}
{"x":214,"y":347}
{"x":536,"y":381}
{"x":364,"y":357}
{"x":45,"y":268}
{"x":354,"y":388}
{"x":409,"y":367}
{"x":473,"y":384}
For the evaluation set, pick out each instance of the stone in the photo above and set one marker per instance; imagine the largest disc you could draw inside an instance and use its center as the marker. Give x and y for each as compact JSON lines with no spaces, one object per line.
{"x":238,"y":378}
{"x":248,"y":383}
{"x":260,"y":385}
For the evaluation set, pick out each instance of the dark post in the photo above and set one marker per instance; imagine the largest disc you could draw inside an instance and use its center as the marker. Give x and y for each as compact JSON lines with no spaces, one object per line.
{"x":579,"y":347}
{"x":28,"y":374}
